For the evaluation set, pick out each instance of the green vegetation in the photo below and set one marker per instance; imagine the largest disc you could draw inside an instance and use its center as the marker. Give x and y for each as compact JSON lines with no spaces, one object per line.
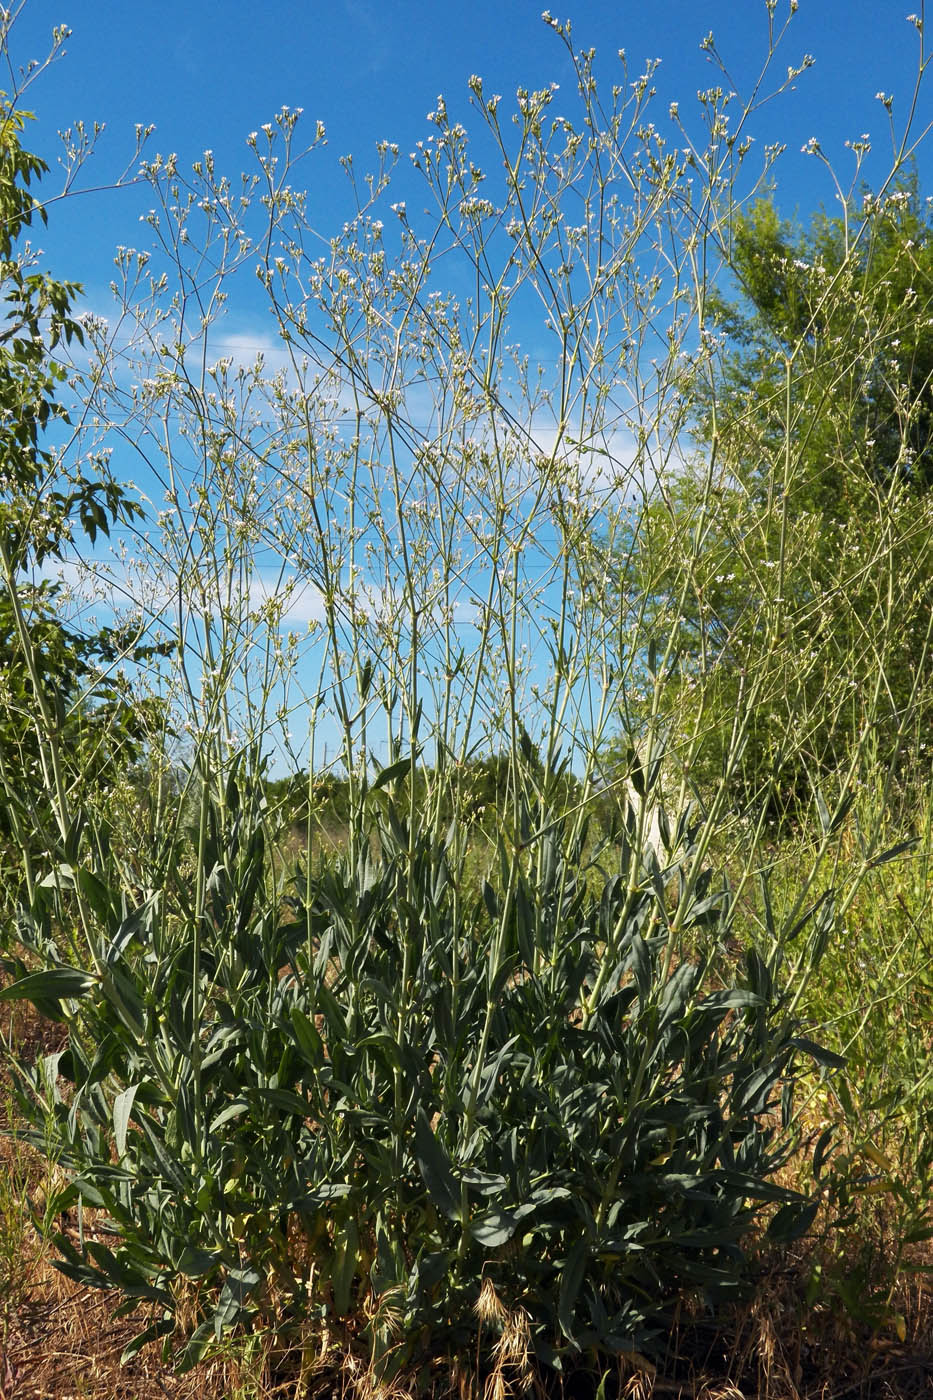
{"x":67,"y":724}
{"x":583,"y":994}
{"x":421,"y":1092}
{"x":812,"y":587}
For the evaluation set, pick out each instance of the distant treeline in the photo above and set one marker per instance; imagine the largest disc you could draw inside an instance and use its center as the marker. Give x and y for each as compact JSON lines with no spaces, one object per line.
{"x":478,"y":789}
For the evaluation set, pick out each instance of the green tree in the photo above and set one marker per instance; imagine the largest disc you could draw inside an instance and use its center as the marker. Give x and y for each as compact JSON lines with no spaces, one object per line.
{"x":848,"y":300}
{"x":64,"y":721}
{"x":810,"y":589}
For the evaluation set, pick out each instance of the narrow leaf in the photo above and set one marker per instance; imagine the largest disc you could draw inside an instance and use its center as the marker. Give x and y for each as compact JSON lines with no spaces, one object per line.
{"x":161,"y":1328}
{"x":394,"y":771}
{"x":435,"y":1167}
{"x":818,"y":1052}
{"x":571,"y":1280}
{"x":122,"y":1108}
{"x":792,"y":1221}
{"x":345,"y":1268}
{"x":54,"y":984}
{"x":891,"y":854}
{"x":306,"y":1034}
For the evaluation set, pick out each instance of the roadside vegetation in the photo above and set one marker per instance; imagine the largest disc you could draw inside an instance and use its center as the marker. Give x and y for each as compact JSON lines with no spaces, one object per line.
{"x":560,"y":1022}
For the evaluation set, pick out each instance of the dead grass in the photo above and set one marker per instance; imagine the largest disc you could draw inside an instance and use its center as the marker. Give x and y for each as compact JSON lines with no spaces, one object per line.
{"x":61,"y":1342}
{"x":58,"y":1340}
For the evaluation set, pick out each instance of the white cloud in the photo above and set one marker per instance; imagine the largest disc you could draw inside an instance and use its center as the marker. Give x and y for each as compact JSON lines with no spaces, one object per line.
{"x":298,"y":600}
{"x":117,"y":586}
{"x":245,"y":349}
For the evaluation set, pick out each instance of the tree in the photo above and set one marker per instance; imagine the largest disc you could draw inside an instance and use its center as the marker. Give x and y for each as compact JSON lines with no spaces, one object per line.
{"x":814,"y":417}
{"x":66,"y":725}
{"x":849,"y":298}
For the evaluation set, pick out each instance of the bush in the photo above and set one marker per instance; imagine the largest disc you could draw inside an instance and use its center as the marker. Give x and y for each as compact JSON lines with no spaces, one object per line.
{"x":364,"y":1108}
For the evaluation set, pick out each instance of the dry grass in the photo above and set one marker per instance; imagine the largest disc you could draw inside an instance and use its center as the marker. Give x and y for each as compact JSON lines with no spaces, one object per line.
{"x":58,"y":1340}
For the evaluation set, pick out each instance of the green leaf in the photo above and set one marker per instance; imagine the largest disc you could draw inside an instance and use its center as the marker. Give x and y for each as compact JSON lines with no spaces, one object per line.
{"x":818,"y":1052}
{"x":792,"y":1221}
{"x":122,"y":995}
{"x":541,"y":1197}
{"x":893,"y":853}
{"x":133,"y":926}
{"x":756,"y":1188}
{"x":492,"y":1070}
{"x":283,"y":1099}
{"x":54,"y":984}
{"x":307,"y":1036}
{"x":194,"y":1349}
{"x":435,"y":1167}
{"x":394,"y":771}
{"x":821,"y":1150}
{"x":735,"y":999}
{"x":233,"y":1110}
{"x":196,"y":1263}
{"x":124,"y":1275}
{"x":806,"y":917}
{"x":163,"y":1327}
{"x":571,"y":1281}
{"x":122,"y":1108}
{"x":676,"y":994}
{"x":641,"y":967}
{"x":95,"y":892}
{"x":490,"y":900}
{"x":919,"y":1236}
{"x":239,"y":1284}
{"x":63,"y":876}
{"x":636,"y":772}
{"x":80,"y":1273}
{"x":485,"y":1183}
{"x":345,"y":1265}
{"x":430,"y":1268}
{"x":751,"y":1095}
{"x":327,"y":1191}
{"x":493,"y":1227}
{"x":366,"y":676}
{"x":842,"y":811}
{"x":823,"y":811}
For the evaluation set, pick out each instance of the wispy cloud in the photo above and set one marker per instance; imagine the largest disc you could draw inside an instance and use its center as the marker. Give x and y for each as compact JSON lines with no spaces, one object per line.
{"x":117,"y":586}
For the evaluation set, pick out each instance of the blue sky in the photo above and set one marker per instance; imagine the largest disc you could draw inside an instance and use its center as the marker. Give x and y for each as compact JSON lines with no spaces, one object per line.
{"x":207,"y":75}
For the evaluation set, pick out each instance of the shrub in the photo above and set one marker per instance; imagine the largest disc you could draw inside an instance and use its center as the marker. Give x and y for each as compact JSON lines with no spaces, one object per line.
{"x":362,"y":1106}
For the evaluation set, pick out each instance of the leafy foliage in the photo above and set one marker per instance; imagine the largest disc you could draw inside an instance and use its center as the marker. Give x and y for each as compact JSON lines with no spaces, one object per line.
{"x":359,"y":1106}
{"x":505,"y":1092}
{"x":806,"y":513}
{"x":849,"y":299}
{"x":49,"y":669}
